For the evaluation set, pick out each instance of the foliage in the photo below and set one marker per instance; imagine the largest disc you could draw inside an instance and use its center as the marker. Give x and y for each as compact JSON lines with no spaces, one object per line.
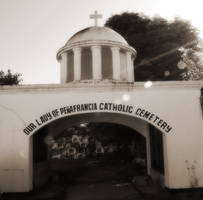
{"x":157,"y":42}
{"x":193,"y":62}
{"x":9,"y":78}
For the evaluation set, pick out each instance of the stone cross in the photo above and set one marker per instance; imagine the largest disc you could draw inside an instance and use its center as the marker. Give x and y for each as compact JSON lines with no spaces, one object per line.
{"x":95,"y":16}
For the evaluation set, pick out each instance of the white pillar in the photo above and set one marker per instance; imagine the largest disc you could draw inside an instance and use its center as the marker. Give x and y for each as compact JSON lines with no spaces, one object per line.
{"x":96,"y":62}
{"x":77,"y":63}
{"x":64,"y":67}
{"x":130,"y":68}
{"x":116,"y":62}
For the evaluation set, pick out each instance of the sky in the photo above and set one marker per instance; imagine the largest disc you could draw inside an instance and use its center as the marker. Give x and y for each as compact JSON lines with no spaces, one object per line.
{"x":32,"y":31}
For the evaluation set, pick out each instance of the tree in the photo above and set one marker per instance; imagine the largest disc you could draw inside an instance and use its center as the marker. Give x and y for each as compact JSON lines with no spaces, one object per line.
{"x":193,"y":62}
{"x":9,"y":78}
{"x":158,"y":43}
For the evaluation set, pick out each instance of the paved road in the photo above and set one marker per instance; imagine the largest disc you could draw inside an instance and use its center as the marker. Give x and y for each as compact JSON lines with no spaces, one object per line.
{"x":102,"y":191}
{"x":96,"y":191}
{"x":105,"y":190}
{"x":100,"y":181}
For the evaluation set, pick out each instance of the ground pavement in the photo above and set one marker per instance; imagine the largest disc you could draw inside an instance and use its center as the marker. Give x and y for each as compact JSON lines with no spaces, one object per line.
{"x":140,"y":190}
{"x":101,"y":181}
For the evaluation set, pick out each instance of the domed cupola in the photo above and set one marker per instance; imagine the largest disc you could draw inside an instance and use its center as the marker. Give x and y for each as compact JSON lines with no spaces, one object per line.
{"x":96,"y":54}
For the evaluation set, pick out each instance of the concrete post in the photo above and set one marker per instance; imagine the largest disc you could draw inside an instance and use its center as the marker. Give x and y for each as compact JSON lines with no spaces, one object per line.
{"x":96,"y":62}
{"x":130,"y":69}
{"x":64,"y":67}
{"x":77,"y":63}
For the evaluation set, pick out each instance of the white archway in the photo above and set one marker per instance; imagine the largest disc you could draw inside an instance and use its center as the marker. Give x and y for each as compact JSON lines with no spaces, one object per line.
{"x":140,"y":126}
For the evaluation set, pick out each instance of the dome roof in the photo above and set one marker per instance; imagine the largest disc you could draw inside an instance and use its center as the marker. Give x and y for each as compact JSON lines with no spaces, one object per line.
{"x":96,"y":33}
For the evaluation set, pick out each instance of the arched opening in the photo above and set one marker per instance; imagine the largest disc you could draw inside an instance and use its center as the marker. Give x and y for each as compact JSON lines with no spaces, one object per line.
{"x":86,"y":64}
{"x":123,"y":66}
{"x":107,"y":68}
{"x":91,"y":148}
{"x":70,"y":70}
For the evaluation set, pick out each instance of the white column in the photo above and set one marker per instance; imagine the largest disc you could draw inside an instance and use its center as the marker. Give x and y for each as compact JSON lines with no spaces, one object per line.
{"x":130,"y":69}
{"x":96,"y":62}
{"x":77,"y":63}
{"x":64,"y":67}
{"x":116,"y":62}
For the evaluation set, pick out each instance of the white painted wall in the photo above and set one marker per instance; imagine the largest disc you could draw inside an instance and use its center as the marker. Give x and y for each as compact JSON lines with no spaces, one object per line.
{"x":176,"y":103}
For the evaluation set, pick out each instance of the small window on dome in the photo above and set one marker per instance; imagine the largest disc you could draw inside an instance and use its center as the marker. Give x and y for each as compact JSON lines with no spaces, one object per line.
{"x":107,"y":69}
{"x":70,"y":70}
{"x":86,"y":64}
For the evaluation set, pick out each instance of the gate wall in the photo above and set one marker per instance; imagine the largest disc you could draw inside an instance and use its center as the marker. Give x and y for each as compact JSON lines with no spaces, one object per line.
{"x":175,"y":103}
